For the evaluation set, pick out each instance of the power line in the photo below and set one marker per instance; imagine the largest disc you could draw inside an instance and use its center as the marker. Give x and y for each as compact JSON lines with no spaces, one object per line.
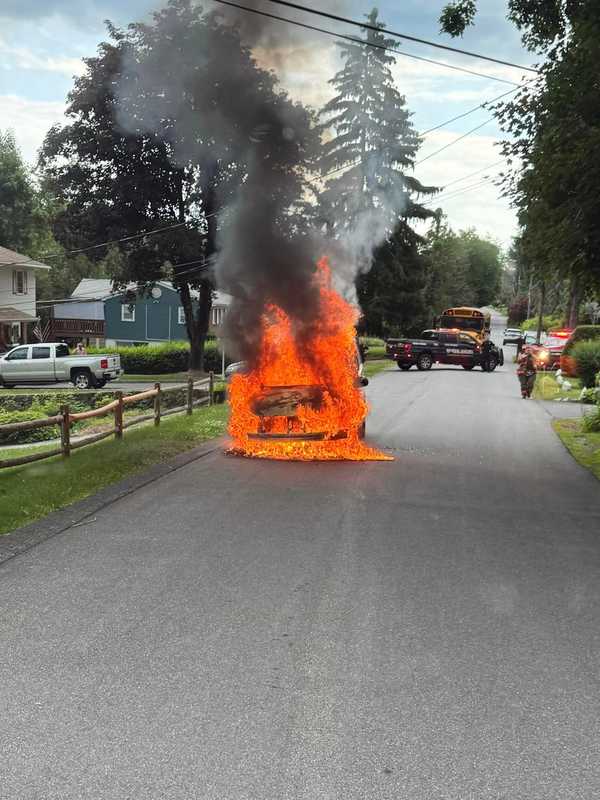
{"x":368,"y":26}
{"x":101,"y":244}
{"x":464,"y":190}
{"x":471,"y":174}
{"x":454,"y":141}
{"x":356,"y":40}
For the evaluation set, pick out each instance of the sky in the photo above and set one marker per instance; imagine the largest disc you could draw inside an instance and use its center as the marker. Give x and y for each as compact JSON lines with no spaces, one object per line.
{"x":42,"y":43}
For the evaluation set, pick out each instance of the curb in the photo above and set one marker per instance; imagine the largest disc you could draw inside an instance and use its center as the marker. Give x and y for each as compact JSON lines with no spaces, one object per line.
{"x":23,"y":539}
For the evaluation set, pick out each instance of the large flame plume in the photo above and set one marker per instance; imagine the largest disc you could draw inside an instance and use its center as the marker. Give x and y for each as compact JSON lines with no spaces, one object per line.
{"x":301,"y":400}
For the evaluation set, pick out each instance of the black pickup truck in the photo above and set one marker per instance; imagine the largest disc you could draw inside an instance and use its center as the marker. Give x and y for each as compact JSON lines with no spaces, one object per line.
{"x":442,"y":347}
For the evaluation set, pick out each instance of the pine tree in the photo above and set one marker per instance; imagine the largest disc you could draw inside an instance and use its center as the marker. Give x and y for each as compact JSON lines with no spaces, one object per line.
{"x":374,"y":139}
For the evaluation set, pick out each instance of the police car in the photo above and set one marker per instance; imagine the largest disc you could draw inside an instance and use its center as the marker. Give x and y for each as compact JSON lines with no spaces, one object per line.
{"x":442,"y":346}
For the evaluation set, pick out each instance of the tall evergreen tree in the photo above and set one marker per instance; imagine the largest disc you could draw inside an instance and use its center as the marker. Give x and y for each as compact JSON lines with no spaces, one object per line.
{"x":373,"y":141}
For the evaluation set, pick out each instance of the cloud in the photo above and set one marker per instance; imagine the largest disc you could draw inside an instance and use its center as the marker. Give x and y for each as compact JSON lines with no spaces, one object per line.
{"x":12,"y":57}
{"x":83,"y":10}
{"x":30,"y":120}
{"x":481,"y":207}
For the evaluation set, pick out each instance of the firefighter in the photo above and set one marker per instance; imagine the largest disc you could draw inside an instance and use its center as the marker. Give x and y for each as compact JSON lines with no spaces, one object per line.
{"x":486,"y":349}
{"x":526,"y":373}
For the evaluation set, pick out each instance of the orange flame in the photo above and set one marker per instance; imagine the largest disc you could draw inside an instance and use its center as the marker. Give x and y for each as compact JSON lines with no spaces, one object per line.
{"x":303,"y":402}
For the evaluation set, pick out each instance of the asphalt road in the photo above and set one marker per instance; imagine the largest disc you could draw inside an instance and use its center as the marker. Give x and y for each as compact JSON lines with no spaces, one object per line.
{"x":426,"y":629}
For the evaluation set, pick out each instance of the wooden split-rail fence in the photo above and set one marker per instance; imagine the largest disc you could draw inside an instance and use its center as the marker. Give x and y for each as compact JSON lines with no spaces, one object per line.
{"x":66,"y":418}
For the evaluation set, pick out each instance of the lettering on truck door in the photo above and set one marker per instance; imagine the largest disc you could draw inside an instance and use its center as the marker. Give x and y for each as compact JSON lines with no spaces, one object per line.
{"x":449,"y":342}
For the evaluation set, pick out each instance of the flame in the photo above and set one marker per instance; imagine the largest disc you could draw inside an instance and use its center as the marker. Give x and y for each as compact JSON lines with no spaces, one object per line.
{"x":313,"y":386}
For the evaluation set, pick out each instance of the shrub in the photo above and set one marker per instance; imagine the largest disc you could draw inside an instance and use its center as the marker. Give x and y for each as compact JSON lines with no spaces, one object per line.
{"x":587,"y":359}
{"x":163,"y":359}
{"x":549,"y":323}
{"x":580,"y":334}
{"x":591,"y":422}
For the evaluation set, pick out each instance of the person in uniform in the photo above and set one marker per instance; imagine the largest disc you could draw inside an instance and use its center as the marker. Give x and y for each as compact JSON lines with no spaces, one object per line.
{"x":526,"y":373}
{"x":486,"y":349}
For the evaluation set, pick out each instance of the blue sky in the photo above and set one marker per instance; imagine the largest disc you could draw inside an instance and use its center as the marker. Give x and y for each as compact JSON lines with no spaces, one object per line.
{"x":42,"y":43}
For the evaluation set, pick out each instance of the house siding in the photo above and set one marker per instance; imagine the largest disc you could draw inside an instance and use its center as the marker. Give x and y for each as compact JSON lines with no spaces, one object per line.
{"x":156,"y":320}
{"x":22,"y":302}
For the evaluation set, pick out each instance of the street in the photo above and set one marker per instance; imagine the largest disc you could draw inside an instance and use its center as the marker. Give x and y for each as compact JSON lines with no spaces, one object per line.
{"x":424,"y":629}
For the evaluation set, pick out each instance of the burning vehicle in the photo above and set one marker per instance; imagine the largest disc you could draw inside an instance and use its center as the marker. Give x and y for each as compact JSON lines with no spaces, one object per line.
{"x":302,"y":399}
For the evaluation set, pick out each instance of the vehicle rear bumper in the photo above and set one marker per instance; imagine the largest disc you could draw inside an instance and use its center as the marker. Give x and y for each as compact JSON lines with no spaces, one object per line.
{"x":111,"y":375}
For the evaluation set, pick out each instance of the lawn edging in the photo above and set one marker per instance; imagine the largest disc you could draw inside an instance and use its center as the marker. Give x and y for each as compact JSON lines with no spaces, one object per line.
{"x":23,"y":539}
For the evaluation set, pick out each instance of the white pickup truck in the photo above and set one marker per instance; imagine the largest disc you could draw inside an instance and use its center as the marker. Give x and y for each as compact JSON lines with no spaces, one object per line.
{"x":51,"y":363}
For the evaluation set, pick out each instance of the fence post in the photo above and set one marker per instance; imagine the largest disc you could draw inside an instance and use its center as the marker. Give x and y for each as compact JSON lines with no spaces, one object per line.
{"x":157,"y":404}
{"x":190,"y":395}
{"x":65,"y":432}
{"x":211,"y":388}
{"x":119,"y":416}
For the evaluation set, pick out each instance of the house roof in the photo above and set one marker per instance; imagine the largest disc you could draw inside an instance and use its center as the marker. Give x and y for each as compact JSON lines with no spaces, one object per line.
{"x":90,"y":289}
{"x":10,"y":314}
{"x":9,"y":258}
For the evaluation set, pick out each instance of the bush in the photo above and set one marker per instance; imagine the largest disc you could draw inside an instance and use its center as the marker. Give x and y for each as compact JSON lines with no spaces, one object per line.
{"x":591,"y":422}
{"x":549,"y":323}
{"x":587,"y":359}
{"x":580,"y":334}
{"x":163,"y":359}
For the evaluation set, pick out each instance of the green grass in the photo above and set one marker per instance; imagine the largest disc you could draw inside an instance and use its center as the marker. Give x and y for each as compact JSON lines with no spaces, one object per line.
{"x":375,"y":353}
{"x":32,"y":491}
{"x":547,"y":388}
{"x":584,"y":447}
{"x":168,"y":377}
{"x":371,"y":368}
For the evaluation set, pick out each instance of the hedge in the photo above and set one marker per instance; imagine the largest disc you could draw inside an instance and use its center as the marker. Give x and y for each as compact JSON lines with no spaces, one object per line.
{"x":587,"y":359}
{"x":549,"y":323}
{"x":580,"y":334}
{"x":163,"y":359}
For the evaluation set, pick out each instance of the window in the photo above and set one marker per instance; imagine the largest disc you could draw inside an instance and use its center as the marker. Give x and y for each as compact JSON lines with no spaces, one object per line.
{"x":127,"y":313}
{"x":19,"y":281}
{"x":40,"y":352}
{"x":62,"y":351}
{"x":429,"y":335}
{"x":448,"y":338}
{"x":217,"y":315}
{"x":20,"y":354}
{"x":464,"y":339}
{"x":181,"y":315}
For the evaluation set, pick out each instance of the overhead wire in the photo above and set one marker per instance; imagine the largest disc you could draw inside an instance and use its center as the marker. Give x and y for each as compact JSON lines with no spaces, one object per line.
{"x":356,"y":40}
{"x":399,"y":35}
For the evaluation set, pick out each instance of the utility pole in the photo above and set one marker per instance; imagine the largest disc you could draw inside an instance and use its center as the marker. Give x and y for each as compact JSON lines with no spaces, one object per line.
{"x":541,"y":313}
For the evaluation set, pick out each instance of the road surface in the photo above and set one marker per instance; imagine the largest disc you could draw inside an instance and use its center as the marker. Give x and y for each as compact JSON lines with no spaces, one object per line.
{"x":425,"y":629}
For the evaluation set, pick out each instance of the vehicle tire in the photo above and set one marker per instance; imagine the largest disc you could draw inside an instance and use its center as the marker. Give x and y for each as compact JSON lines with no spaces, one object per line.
{"x":81,"y":379}
{"x":99,"y":384}
{"x":501,"y":359}
{"x":492,"y":364}
{"x":424,"y":361}
{"x":468,"y":366}
{"x":405,"y":367}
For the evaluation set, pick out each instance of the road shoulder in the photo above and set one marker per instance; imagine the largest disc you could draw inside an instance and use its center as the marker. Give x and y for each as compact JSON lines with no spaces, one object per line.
{"x":23,"y":539}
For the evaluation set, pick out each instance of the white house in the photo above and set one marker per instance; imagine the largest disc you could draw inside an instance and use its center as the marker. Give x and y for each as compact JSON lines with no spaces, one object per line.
{"x":17,"y":297}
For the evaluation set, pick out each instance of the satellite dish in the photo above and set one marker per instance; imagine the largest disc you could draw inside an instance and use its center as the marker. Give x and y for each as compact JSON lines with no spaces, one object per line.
{"x":156,"y":292}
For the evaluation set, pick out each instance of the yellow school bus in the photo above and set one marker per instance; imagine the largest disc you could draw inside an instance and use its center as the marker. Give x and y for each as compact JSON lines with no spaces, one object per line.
{"x":470,"y":320}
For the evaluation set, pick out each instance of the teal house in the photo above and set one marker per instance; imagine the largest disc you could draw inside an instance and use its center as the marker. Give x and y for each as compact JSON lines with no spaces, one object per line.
{"x":154,"y":318}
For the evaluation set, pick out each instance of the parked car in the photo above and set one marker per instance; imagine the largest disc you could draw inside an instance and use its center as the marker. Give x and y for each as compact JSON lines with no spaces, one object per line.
{"x":50,"y":362}
{"x":511,"y":336}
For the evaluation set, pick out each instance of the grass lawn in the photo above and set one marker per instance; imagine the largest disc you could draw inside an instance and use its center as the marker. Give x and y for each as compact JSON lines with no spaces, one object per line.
{"x":584,"y":447}
{"x":371,"y":368}
{"x":169,"y":377}
{"x":34,"y":490}
{"x":547,"y":388}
